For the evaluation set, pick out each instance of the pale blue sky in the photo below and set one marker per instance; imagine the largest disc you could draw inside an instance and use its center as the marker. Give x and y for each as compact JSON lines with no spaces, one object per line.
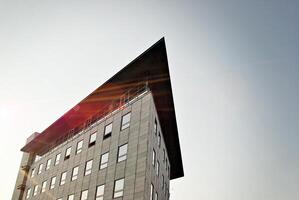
{"x":234,"y":69}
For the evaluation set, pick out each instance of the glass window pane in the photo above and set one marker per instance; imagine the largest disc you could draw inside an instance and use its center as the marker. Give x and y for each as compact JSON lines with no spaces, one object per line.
{"x":75,"y":173}
{"x":53,"y":180}
{"x":28,"y":193}
{"x":48,"y":164}
{"x":108,"y":129}
{"x":93,"y":138}
{"x":44,"y":185}
{"x":70,"y":197}
{"x":88,"y":167}
{"x":125,"y":122}
{"x":122,"y":152}
{"x":57,"y":159}
{"x":40,"y":168}
{"x":118,"y":188}
{"x":79,"y":147}
{"x":154,"y":158}
{"x":84,"y":195}
{"x":104,"y":160}
{"x":100,"y":192}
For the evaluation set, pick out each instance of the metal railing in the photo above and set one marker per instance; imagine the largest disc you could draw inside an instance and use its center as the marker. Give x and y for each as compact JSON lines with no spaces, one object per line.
{"x":105,"y":112}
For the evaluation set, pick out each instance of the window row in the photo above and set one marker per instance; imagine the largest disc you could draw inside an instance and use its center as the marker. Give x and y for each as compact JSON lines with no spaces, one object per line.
{"x":156,"y":165}
{"x":125,"y":123}
{"x":118,"y":191}
{"x":158,"y":135}
{"x":104,"y":158}
{"x":154,"y":194}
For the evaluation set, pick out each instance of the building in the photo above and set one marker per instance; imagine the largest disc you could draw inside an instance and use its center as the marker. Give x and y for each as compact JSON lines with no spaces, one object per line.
{"x":120,"y":142}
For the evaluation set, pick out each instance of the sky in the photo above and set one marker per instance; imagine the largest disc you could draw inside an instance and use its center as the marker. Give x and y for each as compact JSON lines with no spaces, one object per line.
{"x":234,"y":72}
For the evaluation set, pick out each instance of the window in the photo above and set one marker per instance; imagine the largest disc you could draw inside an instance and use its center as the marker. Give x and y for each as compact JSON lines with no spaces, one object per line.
{"x":40,"y":168}
{"x":75,"y":173}
{"x":104,"y":160}
{"x":84,"y":195}
{"x":108,"y":131}
{"x":166,"y":163}
{"x":162,"y":182}
{"x":62,"y":178}
{"x":100,"y":192}
{"x":119,"y":188}
{"x":163,"y":155}
{"x":154,"y":157}
{"x":152,"y":192}
{"x":79,"y":147}
{"x":32,"y":172}
{"x":159,"y":139}
{"x":155,"y":127}
{"x":37,"y":158}
{"x":48,"y":164}
{"x":57,"y":159}
{"x":125,"y":121}
{"x":67,"y":153}
{"x":28,"y":193}
{"x":157,"y":168}
{"x":92,"y":139}
{"x":88,"y":167}
{"x":156,"y":196}
{"x":70,"y":197}
{"x":52,"y":184}
{"x":44,"y":185}
{"x":165,"y":188}
{"x":168,"y":171}
{"x":35,"y":190}
{"x":122,"y":153}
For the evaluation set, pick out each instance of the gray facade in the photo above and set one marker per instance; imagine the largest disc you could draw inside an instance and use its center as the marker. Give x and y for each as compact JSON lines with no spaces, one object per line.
{"x":130,"y":160}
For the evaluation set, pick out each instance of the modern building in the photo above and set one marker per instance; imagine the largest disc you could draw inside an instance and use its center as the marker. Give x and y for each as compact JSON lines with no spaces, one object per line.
{"x":120,"y":142}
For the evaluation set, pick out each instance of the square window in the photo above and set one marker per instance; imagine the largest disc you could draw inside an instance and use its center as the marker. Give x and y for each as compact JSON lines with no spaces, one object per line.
{"x":125,"y":121}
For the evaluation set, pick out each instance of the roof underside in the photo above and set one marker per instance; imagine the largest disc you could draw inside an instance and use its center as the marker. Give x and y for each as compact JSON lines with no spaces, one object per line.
{"x":150,"y":67}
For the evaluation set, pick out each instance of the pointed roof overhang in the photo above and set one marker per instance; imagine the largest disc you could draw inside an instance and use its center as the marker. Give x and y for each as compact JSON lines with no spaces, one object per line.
{"x":150,"y":67}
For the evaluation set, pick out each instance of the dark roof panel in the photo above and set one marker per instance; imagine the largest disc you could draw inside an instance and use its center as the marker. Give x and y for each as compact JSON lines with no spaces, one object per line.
{"x":151,"y":67}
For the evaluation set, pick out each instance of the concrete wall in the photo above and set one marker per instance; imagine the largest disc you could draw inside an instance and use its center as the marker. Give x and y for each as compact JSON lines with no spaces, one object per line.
{"x":136,"y":169}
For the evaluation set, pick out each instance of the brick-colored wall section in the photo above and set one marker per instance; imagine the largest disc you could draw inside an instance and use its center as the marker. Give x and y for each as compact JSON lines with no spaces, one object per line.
{"x":137,"y":169}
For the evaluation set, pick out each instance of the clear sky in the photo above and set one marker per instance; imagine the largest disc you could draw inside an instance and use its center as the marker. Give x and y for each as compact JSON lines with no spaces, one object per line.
{"x":234,"y":69}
